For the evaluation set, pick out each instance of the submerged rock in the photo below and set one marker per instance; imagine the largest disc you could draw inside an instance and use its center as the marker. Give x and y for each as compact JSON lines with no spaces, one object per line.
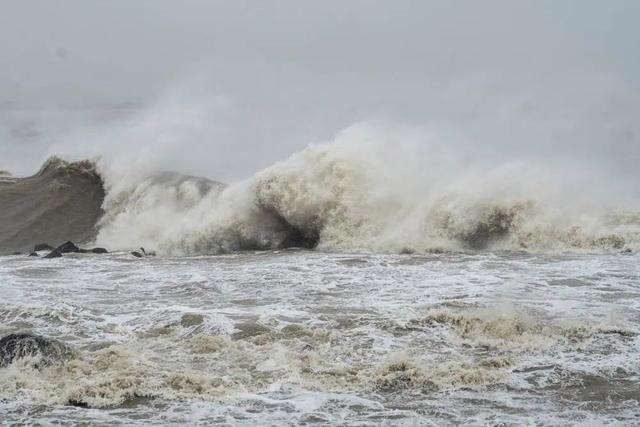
{"x":16,"y":253}
{"x":47,"y":351}
{"x":137,"y":254}
{"x":34,"y":254}
{"x":70,"y":247}
{"x":43,"y":247}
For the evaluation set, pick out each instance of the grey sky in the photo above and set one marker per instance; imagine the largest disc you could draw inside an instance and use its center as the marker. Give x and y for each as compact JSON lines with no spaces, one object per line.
{"x":535,"y":72}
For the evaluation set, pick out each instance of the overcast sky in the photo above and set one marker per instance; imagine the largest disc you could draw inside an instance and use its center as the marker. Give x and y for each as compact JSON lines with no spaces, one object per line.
{"x":507,"y":74}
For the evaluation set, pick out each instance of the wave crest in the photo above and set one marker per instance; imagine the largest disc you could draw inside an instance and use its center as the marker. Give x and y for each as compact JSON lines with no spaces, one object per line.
{"x":354,"y":194}
{"x":61,"y":202}
{"x":361,"y":192}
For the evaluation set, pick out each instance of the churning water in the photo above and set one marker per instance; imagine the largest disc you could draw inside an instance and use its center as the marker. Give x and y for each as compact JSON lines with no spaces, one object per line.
{"x":309,"y":337}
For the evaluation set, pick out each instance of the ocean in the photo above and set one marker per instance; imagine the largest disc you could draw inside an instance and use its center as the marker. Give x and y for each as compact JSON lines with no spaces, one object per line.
{"x":324,"y":290}
{"x":315,"y":338}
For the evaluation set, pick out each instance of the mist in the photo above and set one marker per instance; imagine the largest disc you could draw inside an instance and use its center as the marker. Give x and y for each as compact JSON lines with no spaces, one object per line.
{"x":224,"y":89}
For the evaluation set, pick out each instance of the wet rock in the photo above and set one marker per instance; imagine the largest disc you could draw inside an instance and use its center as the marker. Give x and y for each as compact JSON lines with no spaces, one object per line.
{"x":93,"y":251}
{"x":191,"y":319}
{"x":142,"y":253}
{"x":34,"y":254}
{"x":147,"y":253}
{"x":68,"y":247}
{"x":45,"y":351}
{"x":78,"y":403}
{"x":43,"y":247}
{"x":16,"y":253}
{"x":249,"y":330}
{"x":627,"y":251}
{"x":56,"y":253}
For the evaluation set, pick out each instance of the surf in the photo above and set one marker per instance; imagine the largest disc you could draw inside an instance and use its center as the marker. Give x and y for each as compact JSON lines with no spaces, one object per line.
{"x":367,"y":190}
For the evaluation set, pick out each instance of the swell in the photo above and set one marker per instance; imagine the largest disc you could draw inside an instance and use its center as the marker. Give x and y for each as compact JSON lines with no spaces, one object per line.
{"x":62,"y":201}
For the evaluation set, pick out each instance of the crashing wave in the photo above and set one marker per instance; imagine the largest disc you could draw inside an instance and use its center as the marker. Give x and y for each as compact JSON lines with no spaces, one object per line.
{"x":351,"y":195}
{"x":355,"y":193}
{"x":61,"y":202}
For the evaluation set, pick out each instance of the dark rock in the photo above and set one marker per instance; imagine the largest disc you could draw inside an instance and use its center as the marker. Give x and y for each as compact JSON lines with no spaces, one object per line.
{"x":46,"y":351}
{"x":627,"y":251}
{"x":93,"y":251}
{"x":56,"y":253}
{"x":64,"y":248}
{"x":34,"y":254}
{"x":16,"y":253}
{"x":142,"y":253}
{"x":68,"y":247}
{"x":43,"y":247}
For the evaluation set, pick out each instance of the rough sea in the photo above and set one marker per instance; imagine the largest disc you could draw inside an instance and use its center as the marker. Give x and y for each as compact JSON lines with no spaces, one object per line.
{"x":315,"y":338}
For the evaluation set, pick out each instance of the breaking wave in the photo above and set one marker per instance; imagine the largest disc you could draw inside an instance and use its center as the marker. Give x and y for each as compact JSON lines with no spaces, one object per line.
{"x":61,"y":202}
{"x":359,"y":192}
{"x":194,"y":359}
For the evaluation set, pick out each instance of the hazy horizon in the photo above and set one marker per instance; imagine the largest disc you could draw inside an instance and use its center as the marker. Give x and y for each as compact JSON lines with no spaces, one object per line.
{"x":242,"y":85}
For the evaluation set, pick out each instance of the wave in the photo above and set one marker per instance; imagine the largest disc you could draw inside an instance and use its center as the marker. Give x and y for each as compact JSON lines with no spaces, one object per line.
{"x":62,"y":201}
{"x":360,"y":193}
{"x":355,"y":193}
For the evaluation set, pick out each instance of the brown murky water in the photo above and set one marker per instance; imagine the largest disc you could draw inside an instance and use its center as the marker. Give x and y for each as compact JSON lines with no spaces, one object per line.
{"x":300,"y":337}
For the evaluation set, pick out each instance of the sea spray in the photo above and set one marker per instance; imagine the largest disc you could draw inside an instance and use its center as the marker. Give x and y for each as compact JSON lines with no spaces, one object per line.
{"x":367,"y":190}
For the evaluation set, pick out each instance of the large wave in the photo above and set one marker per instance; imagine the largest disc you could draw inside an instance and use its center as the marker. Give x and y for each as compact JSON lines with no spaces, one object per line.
{"x":366,"y":190}
{"x":371,"y":191}
{"x":62,"y":201}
